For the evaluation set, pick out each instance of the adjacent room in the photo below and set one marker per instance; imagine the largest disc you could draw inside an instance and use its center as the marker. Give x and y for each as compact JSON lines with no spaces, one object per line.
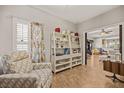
{"x":61,"y":46}
{"x":104,"y":44}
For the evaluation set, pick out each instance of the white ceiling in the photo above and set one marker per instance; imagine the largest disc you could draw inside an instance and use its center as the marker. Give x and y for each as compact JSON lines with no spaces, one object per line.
{"x":75,"y":13}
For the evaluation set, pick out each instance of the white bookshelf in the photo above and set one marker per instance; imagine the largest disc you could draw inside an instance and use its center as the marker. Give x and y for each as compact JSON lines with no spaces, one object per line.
{"x":65,"y":51}
{"x":76,"y":55}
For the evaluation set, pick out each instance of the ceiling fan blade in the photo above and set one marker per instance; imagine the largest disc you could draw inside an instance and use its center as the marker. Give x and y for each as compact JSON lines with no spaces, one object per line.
{"x":107,"y":32}
{"x":110,"y":31}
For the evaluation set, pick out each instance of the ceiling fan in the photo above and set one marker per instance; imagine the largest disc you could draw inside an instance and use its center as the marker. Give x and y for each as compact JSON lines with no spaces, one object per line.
{"x":103,"y":32}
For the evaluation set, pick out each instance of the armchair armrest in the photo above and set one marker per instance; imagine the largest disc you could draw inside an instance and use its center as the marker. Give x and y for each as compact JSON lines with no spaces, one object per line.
{"x":41,"y":66}
{"x":18,"y":80}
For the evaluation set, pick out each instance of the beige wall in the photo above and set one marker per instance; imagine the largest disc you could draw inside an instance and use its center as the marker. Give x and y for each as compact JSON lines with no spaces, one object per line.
{"x":50,"y":22}
{"x":30,"y":14}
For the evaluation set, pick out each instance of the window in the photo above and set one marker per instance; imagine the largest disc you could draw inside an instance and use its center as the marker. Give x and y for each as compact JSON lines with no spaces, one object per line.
{"x":22,"y":36}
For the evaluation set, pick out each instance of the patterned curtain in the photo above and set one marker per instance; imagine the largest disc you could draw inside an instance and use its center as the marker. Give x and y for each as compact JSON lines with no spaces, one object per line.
{"x":37,"y":43}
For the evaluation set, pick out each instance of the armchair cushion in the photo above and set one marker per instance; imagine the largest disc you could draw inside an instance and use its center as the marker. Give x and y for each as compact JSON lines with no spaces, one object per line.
{"x":36,"y":78}
{"x":19,"y":80}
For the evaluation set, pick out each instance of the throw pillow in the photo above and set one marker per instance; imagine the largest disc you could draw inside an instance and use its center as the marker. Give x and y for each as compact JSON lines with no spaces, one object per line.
{"x":21,"y":66}
{"x":18,"y":55}
{"x":1,"y":66}
{"x":4,"y":64}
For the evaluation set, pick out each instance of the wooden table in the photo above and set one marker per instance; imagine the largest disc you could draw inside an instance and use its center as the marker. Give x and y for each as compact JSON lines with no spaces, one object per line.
{"x":114,"y":67}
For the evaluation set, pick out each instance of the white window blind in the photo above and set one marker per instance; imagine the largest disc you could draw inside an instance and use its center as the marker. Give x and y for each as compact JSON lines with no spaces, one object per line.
{"x":22,"y":36}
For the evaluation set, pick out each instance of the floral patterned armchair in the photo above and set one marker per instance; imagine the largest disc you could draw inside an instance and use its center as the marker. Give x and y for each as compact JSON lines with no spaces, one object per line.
{"x":22,"y":73}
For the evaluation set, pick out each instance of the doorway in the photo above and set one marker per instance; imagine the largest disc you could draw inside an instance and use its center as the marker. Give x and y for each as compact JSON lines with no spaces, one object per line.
{"x":103,"y":44}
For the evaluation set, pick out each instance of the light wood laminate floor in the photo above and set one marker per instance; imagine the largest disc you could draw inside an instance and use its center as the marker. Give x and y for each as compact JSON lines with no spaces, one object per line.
{"x":90,"y":76}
